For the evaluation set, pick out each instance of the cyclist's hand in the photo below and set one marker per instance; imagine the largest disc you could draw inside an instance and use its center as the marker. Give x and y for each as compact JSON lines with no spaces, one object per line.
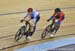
{"x":22,"y":20}
{"x":48,"y":20}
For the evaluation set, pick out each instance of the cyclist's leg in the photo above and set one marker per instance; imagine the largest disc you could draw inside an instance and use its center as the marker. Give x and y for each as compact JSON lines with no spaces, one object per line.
{"x":34,"y":25}
{"x":51,"y":29}
{"x":55,"y":25}
{"x":38,"y":18}
{"x":56,"y":28}
{"x":32,"y":29}
{"x":27,"y":33}
{"x":29,"y":20}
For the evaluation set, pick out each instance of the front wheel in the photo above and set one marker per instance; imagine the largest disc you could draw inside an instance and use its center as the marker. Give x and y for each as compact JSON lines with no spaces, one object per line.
{"x":20,"y":33}
{"x":46,"y":31}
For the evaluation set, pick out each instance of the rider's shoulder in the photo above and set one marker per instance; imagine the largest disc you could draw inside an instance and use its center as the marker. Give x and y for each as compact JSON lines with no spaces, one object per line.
{"x":35,"y":12}
{"x":62,"y":12}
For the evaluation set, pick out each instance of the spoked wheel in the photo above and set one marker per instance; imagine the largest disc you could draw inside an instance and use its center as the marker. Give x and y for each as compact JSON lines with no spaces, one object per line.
{"x":20,"y":33}
{"x":46,"y":31}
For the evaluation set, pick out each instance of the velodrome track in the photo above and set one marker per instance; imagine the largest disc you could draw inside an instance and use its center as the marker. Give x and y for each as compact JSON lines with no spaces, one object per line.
{"x":9,"y":22}
{"x":3,"y":14}
{"x":33,"y":41}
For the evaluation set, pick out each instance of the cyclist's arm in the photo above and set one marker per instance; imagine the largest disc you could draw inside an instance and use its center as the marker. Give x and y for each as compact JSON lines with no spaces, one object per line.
{"x":25,"y":16}
{"x":51,"y":17}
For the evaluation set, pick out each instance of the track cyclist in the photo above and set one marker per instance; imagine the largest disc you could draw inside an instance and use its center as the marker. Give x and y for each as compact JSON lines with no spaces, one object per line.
{"x":58,"y":14}
{"x":34,"y":16}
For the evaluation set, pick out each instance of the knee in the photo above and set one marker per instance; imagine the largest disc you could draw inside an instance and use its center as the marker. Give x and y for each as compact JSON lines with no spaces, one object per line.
{"x":33,"y":25}
{"x":56,"y":26}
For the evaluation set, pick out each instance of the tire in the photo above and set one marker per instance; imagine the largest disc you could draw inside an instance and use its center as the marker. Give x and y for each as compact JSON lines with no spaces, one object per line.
{"x":20,"y":33}
{"x":46,"y":31}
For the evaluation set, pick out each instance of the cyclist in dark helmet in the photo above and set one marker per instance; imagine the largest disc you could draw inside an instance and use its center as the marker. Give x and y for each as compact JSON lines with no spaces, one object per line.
{"x":57,"y":10}
{"x":59,"y":16}
{"x":34,"y":16}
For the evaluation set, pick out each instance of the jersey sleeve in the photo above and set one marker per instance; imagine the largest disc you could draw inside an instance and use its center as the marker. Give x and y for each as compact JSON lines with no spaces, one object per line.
{"x":60,"y":19}
{"x":54,"y":14}
{"x":25,"y":15}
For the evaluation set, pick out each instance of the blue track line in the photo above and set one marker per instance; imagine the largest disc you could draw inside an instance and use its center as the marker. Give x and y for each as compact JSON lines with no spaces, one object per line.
{"x":49,"y":45}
